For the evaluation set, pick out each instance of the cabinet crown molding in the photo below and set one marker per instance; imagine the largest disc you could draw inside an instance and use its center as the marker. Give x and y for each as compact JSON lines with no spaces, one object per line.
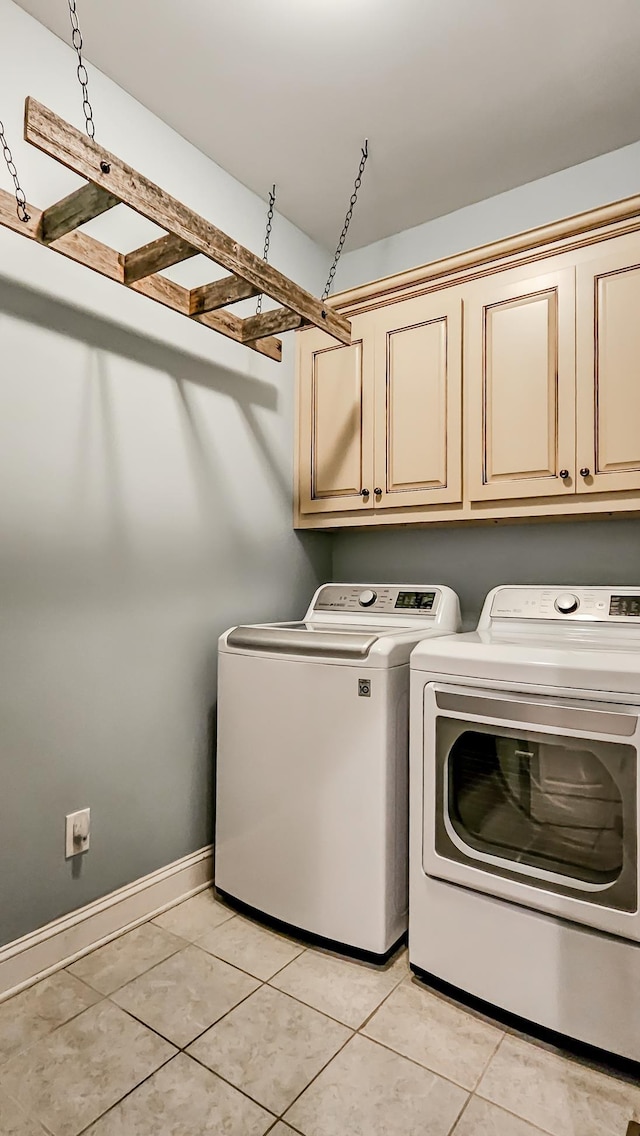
{"x":614,"y":219}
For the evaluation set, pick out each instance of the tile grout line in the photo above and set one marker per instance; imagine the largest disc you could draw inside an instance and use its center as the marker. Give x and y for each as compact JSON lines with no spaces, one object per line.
{"x":326,"y":1065}
{"x":523,"y":1119}
{"x":20,"y":1052}
{"x":122,"y":938}
{"x":154,"y":920}
{"x":221,"y":1077}
{"x":134,"y":1089}
{"x":183,"y":1048}
{"x":458,"y":1118}
{"x":488,"y":1062}
{"x":144,"y":973}
{"x":47,"y":1036}
{"x":378,"y":1007}
{"x":29,"y":1115}
{"x":309,"y":1006}
{"x":558,"y":1055}
{"x":412,"y":1060}
{"x":248,"y":972}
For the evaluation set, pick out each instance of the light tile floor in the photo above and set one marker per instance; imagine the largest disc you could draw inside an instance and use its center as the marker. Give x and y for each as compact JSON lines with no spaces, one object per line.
{"x":203,"y":1023}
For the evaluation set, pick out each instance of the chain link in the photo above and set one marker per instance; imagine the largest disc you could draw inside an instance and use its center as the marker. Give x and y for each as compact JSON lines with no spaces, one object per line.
{"x":267,"y":239}
{"x":81,"y":70}
{"x":21,"y":201}
{"x":347,"y":220}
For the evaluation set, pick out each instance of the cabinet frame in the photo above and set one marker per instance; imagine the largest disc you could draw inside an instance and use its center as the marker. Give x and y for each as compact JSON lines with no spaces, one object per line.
{"x":313,"y":349}
{"x":441,"y":314}
{"x":618,"y":258}
{"x":505,"y":293}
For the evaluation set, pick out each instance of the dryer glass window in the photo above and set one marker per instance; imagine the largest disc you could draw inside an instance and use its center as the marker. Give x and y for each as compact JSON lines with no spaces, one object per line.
{"x":542,"y":803}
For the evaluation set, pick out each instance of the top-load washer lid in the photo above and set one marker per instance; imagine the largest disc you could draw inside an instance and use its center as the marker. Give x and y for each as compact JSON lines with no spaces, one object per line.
{"x":312,"y":640}
{"x":372,"y":625}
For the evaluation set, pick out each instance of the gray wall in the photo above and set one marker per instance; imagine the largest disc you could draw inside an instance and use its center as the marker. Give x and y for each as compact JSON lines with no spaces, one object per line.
{"x":473,"y":560}
{"x":145,"y":505}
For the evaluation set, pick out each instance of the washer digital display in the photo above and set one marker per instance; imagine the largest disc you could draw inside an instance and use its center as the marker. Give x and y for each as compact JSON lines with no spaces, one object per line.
{"x":625,"y":605}
{"x":423,"y":601}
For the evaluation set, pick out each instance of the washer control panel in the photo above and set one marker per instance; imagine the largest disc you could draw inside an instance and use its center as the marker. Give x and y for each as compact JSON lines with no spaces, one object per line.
{"x":381,"y":598}
{"x":611,"y":605}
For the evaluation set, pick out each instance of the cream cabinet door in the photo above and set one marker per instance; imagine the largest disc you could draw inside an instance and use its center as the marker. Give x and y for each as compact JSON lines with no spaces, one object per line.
{"x":418,"y":401}
{"x":520,"y":385}
{"x":608,"y":368}
{"x":335,"y":467}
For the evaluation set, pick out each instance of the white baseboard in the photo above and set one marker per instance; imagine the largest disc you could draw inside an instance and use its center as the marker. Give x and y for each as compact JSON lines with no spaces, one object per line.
{"x":50,"y":948}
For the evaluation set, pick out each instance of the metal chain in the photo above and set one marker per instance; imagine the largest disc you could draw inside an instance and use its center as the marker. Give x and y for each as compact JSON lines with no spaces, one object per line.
{"x":83,"y":78}
{"x":347,"y":220}
{"x":267,"y":239}
{"x":21,"y":201}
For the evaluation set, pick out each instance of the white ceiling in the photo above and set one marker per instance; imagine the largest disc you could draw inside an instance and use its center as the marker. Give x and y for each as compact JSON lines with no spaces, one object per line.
{"x":460,"y":99}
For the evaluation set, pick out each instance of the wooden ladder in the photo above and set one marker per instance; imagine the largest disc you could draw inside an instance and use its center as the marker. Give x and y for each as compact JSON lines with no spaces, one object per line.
{"x":111,"y":182}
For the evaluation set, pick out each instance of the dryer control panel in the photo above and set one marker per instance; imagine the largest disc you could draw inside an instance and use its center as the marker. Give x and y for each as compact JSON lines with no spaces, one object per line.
{"x":610,"y":605}
{"x":383,"y":599}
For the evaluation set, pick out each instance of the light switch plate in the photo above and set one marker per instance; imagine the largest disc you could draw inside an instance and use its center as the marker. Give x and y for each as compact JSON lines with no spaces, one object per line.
{"x":79,"y":823}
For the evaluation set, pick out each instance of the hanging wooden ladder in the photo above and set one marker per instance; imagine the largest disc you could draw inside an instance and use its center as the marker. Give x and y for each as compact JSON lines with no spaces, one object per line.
{"x":110,"y":182}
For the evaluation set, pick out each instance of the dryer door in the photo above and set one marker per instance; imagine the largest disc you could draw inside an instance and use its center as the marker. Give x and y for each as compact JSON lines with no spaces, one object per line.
{"x":534,"y":799}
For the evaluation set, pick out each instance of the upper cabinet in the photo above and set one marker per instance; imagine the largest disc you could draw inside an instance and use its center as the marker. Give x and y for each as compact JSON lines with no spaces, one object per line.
{"x":418,"y":401}
{"x":520,"y":385}
{"x":608,"y":373}
{"x":380,"y":421}
{"x":336,"y":421}
{"x":488,"y":387}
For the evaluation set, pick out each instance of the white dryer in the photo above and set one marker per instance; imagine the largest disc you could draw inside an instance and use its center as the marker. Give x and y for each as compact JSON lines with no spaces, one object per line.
{"x":312,"y":761}
{"x":524,"y":880}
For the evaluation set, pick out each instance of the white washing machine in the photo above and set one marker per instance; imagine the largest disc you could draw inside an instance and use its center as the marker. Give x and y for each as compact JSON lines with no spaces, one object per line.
{"x":312,"y":765}
{"x":524,"y":810}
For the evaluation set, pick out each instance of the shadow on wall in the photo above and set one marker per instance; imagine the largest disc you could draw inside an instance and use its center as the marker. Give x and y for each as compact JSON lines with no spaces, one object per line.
{"x":474,"y":559}
{"x":216,"y":439}
{"x":105,"y":335}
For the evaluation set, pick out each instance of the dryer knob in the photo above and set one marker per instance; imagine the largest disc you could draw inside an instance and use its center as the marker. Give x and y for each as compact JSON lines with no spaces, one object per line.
{"x":367,"y":598}
{"x":567,"y":603}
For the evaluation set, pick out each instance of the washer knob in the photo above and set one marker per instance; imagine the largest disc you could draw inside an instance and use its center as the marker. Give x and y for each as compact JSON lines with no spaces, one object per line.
{"x":567,"y":603}
{"x":367,"y":598}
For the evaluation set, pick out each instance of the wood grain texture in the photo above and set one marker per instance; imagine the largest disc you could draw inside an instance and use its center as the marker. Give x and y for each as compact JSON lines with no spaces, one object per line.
{"x":60,"y":140}
{"x":107,"y":262}
{"x":220,"y":293}
{"x":270,"y":323}
{"x":155,"y":256}
{"x":79,"y":207}
{"x":231,"y":325}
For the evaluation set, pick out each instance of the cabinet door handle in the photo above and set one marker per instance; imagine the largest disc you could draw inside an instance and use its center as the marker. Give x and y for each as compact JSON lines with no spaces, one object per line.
{"x":378,"y":492}
{"x":364,"y":492}
{"x":564,"y":473}
{"x":585,"y":471}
